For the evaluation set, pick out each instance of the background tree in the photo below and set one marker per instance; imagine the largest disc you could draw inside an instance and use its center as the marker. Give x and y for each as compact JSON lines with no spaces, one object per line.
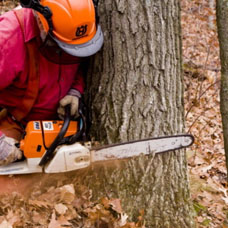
{"x":222,"y":24}
{"x":135,"y":90}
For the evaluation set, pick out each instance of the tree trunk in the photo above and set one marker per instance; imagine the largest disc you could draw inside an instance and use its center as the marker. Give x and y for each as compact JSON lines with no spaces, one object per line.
{"x":222,"y":24}
{"x":135,"y":91}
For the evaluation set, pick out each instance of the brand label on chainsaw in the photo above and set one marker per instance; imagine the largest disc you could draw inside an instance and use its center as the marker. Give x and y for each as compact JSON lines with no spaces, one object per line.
{"x":48,"y":125}
{"x":36,"y":125}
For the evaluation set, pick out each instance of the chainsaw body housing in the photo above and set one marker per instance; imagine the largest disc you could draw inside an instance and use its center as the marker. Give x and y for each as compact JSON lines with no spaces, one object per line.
{"x":40,"y":134}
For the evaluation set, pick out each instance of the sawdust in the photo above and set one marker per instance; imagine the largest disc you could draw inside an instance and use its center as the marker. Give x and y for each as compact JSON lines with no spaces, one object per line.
{"x":25,"y":184}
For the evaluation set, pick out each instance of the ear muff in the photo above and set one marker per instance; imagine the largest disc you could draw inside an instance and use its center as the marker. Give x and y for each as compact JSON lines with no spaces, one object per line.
{"x":44,"y":10}
{"x":26,"y":3}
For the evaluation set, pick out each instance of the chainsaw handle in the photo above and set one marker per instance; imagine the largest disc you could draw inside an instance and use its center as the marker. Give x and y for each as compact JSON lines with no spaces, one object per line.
{"x":48,"y":154}
{"x":82,"y":131}
{"x":59,"y":140}
{"x":81,"y":134}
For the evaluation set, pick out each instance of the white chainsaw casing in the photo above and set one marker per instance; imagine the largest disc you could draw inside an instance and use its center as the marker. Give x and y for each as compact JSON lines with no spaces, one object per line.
{"x":68,"y":158}
{"x":27,"y":166}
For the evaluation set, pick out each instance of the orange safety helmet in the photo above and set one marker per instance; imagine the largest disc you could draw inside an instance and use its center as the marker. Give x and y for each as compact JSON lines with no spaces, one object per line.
{"x":73,"y":24}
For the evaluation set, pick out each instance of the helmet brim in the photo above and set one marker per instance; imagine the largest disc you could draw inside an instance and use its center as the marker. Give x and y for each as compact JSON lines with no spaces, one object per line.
{"x":83,"y":50}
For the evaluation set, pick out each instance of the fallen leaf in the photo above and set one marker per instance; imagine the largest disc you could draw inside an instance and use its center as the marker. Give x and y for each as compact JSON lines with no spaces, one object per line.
{"x":67,"y":193}
{"x":61,"y":208}
{"x":116,"y":205}
{"x":38,"y":203}
{"x":5,"y":224}
{"x":54,"y":223}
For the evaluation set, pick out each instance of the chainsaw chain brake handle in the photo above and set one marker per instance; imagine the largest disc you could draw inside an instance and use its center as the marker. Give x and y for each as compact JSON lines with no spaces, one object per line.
{"x":59,"y":140}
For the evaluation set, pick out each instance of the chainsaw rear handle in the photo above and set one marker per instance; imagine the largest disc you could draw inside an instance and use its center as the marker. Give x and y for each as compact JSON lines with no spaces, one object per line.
{"x":59,"y":140}
{"x":81,"y":134}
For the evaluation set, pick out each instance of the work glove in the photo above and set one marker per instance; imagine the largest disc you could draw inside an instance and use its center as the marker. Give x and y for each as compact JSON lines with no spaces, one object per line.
{"x":74,"y":103}
{"x":8,"y":151}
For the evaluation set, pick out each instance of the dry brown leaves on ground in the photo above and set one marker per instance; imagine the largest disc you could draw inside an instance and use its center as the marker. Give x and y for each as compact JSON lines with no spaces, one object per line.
{"x":62,"y":206}
{"x":202,"y":84}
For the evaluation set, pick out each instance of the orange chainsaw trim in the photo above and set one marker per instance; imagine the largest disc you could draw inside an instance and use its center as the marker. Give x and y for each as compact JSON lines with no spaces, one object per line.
{"x":41,"y":134}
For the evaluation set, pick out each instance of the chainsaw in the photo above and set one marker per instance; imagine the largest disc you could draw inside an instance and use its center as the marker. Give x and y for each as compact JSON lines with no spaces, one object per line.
{"x":59,"y":146}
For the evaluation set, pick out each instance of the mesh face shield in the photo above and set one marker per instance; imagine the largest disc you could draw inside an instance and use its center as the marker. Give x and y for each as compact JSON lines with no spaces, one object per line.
{"x":53,"y":53}
{"x":50,"y":49}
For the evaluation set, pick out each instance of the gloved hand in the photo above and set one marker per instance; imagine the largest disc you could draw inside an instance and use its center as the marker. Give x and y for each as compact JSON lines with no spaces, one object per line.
{"x":73,"y":101}
{"x":8,"y":151}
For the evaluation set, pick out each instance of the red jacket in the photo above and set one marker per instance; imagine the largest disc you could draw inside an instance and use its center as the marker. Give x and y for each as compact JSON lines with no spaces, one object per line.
{"x":55,"y":80}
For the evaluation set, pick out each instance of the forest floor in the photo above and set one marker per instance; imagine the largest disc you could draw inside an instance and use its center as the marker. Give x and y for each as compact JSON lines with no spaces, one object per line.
{"x":206,"y":159}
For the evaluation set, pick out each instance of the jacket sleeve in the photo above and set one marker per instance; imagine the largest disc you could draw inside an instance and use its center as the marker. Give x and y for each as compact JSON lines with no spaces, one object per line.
{"x":11,"y":42}
{"x":79,"y":84}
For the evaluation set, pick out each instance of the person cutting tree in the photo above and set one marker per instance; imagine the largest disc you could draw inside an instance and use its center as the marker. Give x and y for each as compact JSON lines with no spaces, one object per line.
{"x":43,"y":46}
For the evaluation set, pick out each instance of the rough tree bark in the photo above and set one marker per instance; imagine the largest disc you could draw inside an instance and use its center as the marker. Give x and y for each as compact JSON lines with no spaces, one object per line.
{"x":135,"y":90}
{"x":222,"y":24}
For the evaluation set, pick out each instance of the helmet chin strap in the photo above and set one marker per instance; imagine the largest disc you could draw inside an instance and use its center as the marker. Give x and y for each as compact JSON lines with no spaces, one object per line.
{"x":44,"y":10}
{"x":95,"y":2}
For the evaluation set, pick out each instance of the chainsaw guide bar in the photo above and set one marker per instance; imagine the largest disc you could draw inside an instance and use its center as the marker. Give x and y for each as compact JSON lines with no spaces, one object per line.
{"x":145,"y":146}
